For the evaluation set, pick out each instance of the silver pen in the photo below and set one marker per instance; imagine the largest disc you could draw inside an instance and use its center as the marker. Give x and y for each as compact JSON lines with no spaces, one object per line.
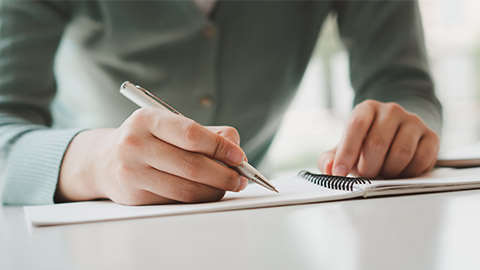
{"x":143,"y":98}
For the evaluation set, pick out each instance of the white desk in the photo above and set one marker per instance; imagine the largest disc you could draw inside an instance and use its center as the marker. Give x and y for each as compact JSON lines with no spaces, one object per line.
{"x":434,"y":231}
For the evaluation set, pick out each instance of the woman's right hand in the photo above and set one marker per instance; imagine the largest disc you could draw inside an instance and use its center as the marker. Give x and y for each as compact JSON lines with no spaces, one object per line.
{"x":154,"y":157}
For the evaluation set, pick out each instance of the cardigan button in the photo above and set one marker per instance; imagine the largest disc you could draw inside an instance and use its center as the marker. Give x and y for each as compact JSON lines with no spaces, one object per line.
{"x":205,"y":101}
{"x":209,"y":32}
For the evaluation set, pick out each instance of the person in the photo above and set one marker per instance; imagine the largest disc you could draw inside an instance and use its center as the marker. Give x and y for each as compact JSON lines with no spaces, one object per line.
{"x":233,"y":67}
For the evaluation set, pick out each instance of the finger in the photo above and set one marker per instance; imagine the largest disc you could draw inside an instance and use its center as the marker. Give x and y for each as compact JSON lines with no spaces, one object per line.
{"x":227,"y":132}
{"x":176,"y":188}
{"x":230,"y":133}
{"x":325,"y":161}
{"x":354,"y":171}
{"x":350,"y":145}
{"x":432,"y":165}
{"x":402,"y":150}
{"x":191,"y":166}
{"x":188,"y":135}
{"x":243,"y":185}
{"x":378,"y":141}
{"x":425,"y":154}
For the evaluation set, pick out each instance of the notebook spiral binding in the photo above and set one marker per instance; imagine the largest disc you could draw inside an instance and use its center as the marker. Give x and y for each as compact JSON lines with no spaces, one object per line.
{"x":332,"y":181}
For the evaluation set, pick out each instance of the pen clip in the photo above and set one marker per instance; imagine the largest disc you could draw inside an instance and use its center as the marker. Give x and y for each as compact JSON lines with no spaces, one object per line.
{"x":163,"y":103}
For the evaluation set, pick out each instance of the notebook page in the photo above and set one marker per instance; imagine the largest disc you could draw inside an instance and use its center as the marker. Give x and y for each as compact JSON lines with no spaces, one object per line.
{"x":441,"y":179}
{"x":293,"y":190}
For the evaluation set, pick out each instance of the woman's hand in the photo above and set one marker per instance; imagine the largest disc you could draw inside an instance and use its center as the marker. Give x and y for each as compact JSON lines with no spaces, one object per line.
{"x":154,"y":157}
{"x":382,"y":140}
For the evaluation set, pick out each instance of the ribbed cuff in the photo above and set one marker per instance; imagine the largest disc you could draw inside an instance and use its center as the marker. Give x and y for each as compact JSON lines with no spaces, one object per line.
{"x":31,"y":171}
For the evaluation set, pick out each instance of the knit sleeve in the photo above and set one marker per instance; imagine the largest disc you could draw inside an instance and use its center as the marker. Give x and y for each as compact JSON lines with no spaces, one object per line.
{"x":31,"y":151}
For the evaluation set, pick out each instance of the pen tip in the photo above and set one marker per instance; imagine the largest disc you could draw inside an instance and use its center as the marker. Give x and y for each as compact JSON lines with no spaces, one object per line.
{"x":274,"y":189}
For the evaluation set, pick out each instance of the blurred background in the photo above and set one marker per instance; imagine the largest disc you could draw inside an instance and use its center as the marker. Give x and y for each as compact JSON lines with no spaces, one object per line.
{"x":315,"y":119}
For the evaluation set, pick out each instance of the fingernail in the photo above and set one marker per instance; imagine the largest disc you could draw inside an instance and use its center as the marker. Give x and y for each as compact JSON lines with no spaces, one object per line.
{"x":235,"y":156}
{"x":340,"y":170}
{"x":243,"y":184}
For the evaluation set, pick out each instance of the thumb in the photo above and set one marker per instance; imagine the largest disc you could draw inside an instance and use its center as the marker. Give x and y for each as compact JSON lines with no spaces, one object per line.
{"x":325,"y":161}
{"x":227,"y":132}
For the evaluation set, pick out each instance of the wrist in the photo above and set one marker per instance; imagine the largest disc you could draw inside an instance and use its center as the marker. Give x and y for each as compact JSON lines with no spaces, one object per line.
{"x":79,"y":178}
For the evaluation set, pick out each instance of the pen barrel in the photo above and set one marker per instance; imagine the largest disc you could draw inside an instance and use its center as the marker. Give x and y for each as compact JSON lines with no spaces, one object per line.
{"x":246,"y":170}
{"x":253,"y":175}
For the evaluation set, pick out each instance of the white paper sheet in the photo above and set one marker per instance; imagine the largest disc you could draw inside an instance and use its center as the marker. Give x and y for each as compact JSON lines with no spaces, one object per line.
{"x":293,"y":190}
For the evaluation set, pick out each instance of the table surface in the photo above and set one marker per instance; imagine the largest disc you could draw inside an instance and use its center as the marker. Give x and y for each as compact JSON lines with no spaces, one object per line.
{"x":430,"y":231}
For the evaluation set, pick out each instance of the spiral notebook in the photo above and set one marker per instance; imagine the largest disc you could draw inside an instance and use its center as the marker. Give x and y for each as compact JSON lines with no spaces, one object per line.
{"x":303,"y":188}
